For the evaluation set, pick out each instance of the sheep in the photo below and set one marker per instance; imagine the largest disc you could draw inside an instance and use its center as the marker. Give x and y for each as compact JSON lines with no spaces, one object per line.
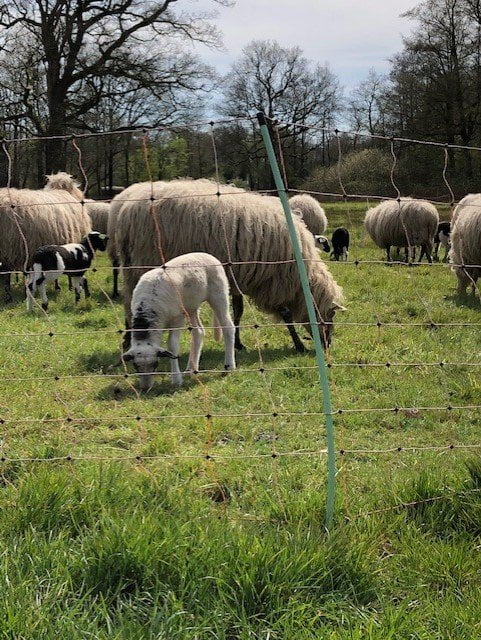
{"x":99,"y":214}
{"x":127,"y":194}
{"x":309,"y":209}
{"x":322,"y":243}
{"x":466,"y":242}
{"x":340,"y":244}
{"x":237,"y":227}
{"x":62,"y":181}
{"x":43,"y":217}
{"x":161,"y":300}
{"x":443,"y":236}
{"x":403,"y":222}
{"x":71,"y":259}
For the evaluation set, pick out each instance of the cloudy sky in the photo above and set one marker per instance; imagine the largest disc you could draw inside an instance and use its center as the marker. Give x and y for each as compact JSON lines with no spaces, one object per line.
{"x":351,"y":35}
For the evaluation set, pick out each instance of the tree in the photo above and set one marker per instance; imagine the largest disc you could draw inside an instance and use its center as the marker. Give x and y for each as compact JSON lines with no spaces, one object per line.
{"x":287,"y":87}
{"x":77,"y":48}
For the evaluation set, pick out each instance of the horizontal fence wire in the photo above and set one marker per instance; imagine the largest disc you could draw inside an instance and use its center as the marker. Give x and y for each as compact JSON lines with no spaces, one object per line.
{"x":407,"y":411}
{"x":408,"y":449}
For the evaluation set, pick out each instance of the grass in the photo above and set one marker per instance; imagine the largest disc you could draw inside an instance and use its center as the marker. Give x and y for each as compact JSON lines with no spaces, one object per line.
{"x":232,"y":546}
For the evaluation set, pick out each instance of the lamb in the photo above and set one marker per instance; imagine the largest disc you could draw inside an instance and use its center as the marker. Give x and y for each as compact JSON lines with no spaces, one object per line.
{"x":71,"y":259}
{"x":33,"y":218}
{"x":443,"y":236}
{"x":244,"y":228}
{"x":309,"y":209}
{"x":405,"y":222}
{"x":340,"y":244}
{"x":466,"y":242}
{"x":161,"y":300}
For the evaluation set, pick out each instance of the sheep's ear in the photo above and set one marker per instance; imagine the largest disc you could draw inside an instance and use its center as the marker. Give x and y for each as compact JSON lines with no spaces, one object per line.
{"x":163,"y":353}
{"x":298,"y":213}
{"x":127,"y":357}
{"x":338,"y":307}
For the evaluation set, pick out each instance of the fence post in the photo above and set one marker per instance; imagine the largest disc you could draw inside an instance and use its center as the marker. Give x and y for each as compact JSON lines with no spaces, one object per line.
{"x":321,"y":363}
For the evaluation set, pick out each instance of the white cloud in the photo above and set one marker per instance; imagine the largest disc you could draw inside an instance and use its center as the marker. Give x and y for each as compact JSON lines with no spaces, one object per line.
{"x":351,"y":35}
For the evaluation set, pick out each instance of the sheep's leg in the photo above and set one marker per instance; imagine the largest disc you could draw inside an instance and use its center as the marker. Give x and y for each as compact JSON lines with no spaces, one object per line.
{"x":238,"y":308}
{"x":388,"y":253}
{"x":197,"y":339}
{"x":463,"y":281}
{"x":77,"y":284}
{"x":446,"y":253}
{"x":43,"y":293}
{"x":127,"y":339}
{"x":435,"y":252}
{"x":57,"y":286}
{"x":173,"y":345}
{"x":286,"y":315}
{"x":30,"y":291}
{"x":221,"y":312}
{"x":115,"y":277}
{"x":70,"y":283}
{"x":86,"y":287}
{"x":6,"y":287}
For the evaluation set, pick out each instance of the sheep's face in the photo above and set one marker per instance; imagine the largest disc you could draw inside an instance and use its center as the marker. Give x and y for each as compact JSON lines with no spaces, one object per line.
{"x":322,"y":243}
{"x":326,"y":329}
{"x":145,"y":358}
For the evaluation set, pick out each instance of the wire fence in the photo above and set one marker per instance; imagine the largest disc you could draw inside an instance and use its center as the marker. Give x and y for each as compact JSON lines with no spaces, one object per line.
{"x":237,"y":266}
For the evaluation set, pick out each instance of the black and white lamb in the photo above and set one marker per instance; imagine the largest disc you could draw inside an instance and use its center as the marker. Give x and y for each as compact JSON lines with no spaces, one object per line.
{"x":54,"y":260}
{"x":340,"y":244}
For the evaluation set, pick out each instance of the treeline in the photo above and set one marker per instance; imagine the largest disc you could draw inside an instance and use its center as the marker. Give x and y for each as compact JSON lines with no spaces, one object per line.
{"x":73,"y":67}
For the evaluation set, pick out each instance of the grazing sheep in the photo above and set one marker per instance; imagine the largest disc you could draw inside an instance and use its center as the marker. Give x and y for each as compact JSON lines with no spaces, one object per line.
{"x":71,"y":259}
{"x":322,"y":243}
{"x":442,"y":237}
{"x":403,"y":223}
{"x":466,"y":242}
{"x":309,"y":209}
{"x":340,"y":244}
{"x":43,"y":217}
{"x":163,"y":298}
{"x":238,"y":226}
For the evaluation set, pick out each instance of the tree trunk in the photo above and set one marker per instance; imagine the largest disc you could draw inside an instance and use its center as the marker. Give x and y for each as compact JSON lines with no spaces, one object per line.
{"x":55,"y":148}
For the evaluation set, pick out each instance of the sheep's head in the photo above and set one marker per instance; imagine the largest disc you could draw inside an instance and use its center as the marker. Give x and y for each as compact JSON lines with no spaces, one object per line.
{"x":326,"y":324}
{"x":145,"y":358}
{"x":64,"y":182}
{"x":322,"y":243}
{"x":96,"y":240}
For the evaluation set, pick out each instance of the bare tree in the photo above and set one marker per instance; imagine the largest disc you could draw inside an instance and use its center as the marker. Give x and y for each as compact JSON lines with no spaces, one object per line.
{"x":287,"y":87}
{"x":81,"y":45}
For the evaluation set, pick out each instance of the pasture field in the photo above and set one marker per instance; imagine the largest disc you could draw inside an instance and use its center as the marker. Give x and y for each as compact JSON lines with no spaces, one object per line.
{"x":221,"y":534}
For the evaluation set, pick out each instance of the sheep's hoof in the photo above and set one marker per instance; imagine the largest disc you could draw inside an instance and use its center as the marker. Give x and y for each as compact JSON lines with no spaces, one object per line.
{"x":300,"y":348}
{"x":238,"y":346}
{"x":45,"y":306}
{"x":176,"y":381}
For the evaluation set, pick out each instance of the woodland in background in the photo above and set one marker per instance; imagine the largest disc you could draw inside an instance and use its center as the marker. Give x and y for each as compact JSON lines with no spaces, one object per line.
{"x":72,"y":66}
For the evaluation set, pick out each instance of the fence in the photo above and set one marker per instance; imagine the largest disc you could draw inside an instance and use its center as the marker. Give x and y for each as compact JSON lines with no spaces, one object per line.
{"x":46,"y":329}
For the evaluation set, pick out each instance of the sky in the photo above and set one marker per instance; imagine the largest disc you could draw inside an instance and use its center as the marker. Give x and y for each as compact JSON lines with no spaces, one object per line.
{"x":352,"y":36}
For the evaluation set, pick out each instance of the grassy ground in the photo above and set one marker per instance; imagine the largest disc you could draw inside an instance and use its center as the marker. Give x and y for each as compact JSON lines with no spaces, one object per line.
{"x":208,"y":542}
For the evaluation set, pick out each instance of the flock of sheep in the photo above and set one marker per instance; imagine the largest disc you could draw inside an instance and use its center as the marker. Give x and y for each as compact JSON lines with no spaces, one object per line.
{"x":208,"y":240}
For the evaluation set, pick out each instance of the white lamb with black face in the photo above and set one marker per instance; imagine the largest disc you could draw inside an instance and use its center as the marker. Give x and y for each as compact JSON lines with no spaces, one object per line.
{"x":163,"y":299}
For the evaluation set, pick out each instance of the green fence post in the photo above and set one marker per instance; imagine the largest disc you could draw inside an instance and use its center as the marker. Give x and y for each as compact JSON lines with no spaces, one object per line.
{"x":321,"y":363}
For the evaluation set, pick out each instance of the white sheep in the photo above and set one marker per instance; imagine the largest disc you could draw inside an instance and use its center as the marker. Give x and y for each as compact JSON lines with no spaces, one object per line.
{"x":163,"y":298}
{"x":465,"y":253}
{"x":403,"y":223}
{"x":309,"y":209}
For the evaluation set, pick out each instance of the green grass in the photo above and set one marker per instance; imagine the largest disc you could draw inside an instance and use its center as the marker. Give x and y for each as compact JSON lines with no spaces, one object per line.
{"x":234,"y":547}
